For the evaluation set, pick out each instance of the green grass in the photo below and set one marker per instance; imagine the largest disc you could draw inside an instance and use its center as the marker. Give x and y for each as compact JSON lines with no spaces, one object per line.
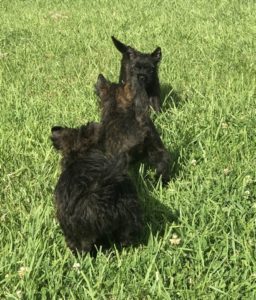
{"x":50,"y":55}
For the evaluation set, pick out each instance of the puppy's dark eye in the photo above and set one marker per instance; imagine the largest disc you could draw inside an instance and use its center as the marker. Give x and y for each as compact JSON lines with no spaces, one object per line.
{"x":151,"y":69}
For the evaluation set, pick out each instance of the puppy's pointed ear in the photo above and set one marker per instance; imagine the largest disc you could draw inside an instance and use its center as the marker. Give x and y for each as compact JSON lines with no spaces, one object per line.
{"x":157,"y":54}
{"x":56,"y":137}
{"x":87,"y":130}
{"x":119,"y":45}
{"x":132,"y":53}
{"x":124,"y":49}
{"x":101,"y":85}
{"x":101,"y":80}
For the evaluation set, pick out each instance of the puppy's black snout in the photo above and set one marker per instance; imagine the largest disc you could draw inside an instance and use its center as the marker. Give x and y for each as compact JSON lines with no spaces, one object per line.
{"x":142,"y":77}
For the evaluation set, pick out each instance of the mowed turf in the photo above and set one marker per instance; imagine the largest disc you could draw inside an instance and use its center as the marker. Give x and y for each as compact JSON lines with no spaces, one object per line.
{"x":199,"y":241}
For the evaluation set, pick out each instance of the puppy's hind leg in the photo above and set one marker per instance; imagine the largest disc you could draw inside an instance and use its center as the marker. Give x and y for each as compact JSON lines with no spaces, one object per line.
{"x":129,"y":233}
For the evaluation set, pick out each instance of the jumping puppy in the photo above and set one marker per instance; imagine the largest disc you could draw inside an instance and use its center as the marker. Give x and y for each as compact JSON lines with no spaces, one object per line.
{"x":126,"y":125}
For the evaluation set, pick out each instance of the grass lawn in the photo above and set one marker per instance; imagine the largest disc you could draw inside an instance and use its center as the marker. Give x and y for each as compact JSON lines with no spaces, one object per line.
{"x":200,"y":238}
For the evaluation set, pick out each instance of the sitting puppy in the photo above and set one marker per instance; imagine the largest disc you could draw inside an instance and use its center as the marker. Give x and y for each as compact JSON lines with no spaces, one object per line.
{"x":126,"y":125}
{"x":95,"y":199}
{"x":144,"y":63}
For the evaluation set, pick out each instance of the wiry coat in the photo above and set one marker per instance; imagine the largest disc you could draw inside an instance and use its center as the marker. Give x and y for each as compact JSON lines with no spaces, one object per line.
{"x":146,"y":64}
{"x":95,"y":199}
{"x":126,"y":126}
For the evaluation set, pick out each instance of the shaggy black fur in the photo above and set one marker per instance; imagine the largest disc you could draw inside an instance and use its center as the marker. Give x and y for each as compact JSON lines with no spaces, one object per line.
{"x":126,"y":125}
{"x":144,"y":64}
{"x":95,"y":199}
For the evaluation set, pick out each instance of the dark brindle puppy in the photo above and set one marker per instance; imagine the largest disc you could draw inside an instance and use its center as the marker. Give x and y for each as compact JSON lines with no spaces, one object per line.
{"x":126,"y":125}
{"x":95,"y":199}
{"x":144,"y":63}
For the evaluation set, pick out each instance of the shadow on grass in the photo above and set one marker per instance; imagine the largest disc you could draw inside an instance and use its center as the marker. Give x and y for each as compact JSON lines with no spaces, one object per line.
{"x":170,"y":98}
{"x":157,"y":215}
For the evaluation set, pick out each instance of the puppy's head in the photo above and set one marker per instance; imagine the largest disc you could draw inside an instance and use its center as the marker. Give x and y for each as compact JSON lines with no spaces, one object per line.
{"x":124,"y":96}
{"x":74,"y":140}
{"x":138,"y":64}
{"x":113,"y":96}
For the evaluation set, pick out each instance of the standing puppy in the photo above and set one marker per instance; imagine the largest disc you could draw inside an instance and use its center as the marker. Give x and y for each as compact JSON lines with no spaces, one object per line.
{"x":95,"y":198}
{"x":126,"y":125}
{"x":144,"y":63}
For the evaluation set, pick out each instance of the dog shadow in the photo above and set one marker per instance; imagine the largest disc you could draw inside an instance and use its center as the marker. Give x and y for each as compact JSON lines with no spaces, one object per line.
{"x":157,"y":216}
{"x":170,"y":98}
